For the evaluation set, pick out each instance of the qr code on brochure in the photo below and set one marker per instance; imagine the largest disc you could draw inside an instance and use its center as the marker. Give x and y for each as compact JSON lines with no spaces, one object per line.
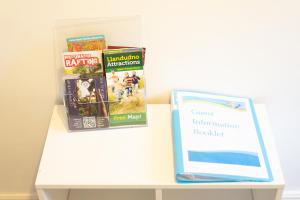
{"x":89,"y":122}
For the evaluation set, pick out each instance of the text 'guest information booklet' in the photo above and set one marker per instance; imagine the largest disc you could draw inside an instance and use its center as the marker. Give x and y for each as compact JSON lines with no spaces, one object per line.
{"x":217,"y":138}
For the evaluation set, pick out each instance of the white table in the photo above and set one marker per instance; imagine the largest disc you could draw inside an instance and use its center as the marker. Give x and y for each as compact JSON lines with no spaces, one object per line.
{"x":137,"y":159}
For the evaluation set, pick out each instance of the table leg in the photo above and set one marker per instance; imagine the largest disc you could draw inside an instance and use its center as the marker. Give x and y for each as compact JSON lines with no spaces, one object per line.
{"x":53,"y":194}
{"x":278,"y":195}
{"x":266,"y":194}
{"x":158,"y":194}
{"x":41,"y":194}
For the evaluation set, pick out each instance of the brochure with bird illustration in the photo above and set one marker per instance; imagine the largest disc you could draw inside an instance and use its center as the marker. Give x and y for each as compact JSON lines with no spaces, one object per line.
{"x":83,"y":62}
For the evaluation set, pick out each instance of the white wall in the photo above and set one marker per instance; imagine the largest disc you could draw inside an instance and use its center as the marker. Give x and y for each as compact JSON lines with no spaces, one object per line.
{"x":237,"y":47}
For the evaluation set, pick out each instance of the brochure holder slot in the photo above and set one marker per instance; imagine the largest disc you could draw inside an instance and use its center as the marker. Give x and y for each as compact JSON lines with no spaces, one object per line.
{"x":95,"y":101}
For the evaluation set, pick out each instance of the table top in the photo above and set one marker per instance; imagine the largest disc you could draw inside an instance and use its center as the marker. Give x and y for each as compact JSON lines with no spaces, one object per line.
{"x":139,"y":157}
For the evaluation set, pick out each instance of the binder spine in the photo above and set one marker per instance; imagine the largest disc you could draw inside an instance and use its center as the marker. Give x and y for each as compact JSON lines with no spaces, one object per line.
{"x":179,"y":168}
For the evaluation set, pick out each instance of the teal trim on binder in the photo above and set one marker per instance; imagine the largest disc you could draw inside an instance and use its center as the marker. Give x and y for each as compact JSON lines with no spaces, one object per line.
{"x":262,"y":146}
{"x":229,"y":104}
{"x":219,"y":178}
{"x":210,"y":93}
{"x":177,"y":142}
{"x":225,"y":157}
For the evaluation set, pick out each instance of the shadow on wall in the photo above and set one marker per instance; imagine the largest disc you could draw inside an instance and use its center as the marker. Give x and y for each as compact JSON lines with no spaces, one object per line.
{"x":162,"y":97}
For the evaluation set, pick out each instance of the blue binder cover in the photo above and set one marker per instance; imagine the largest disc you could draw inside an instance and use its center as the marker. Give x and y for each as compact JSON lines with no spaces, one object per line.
{"x":217,"y":139}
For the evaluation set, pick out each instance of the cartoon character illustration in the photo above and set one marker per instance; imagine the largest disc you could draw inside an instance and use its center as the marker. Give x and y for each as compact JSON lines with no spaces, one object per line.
{"x":84,"y":89}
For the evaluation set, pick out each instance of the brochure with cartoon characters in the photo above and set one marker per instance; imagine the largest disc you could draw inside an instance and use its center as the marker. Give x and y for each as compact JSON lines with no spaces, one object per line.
{"x":86,"y":102}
